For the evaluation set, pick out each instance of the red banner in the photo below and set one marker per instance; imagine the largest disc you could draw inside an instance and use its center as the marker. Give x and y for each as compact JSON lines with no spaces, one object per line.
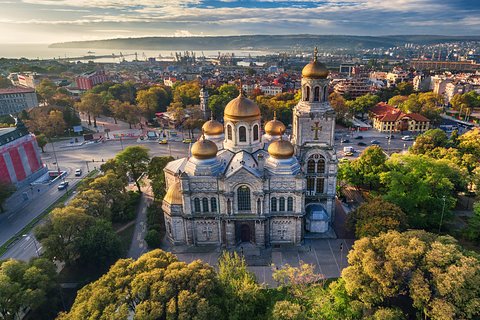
{"x":17,"y":164}
{"x":4,"y":175}
{"x":32,"y":156}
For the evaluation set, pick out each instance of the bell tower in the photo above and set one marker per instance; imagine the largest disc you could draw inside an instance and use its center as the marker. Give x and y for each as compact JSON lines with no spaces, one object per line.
{"x":313,"y":135}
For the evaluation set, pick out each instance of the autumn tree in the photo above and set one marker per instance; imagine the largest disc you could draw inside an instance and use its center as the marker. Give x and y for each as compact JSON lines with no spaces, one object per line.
{"x":156,"y":286}
{"x":338,"y":104}
{"x":397,"y":100}
{"x":46,"y":90}
{"x":152,"y":100}
{"x":93,"y":202}
{"x":26,"y":286}
{"x":135,"y":160}
{"x":92,"y":104}
{"x":440,"y":280}
{"x":376,"y":216}
{"x":187,"y":93}
{"x":5,"y":83}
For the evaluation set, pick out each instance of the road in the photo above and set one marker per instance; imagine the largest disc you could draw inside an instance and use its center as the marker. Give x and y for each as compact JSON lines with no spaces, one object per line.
{"x":138,"y":245}
{"x":68,"y":159}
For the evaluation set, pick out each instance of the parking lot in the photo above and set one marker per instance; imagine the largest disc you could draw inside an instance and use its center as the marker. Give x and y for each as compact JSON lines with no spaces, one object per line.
{"x":360,"y":140}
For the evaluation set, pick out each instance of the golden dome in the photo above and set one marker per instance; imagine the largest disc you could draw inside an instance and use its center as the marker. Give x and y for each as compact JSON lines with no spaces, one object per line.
{"x":212,"y":127}
{"x":281,"y":149}
{"x":174,"y":194}
{"x":204,"y":149}
{"x":242,"y":108}
{"x":315,"y":69}
{"x":275,"y":127}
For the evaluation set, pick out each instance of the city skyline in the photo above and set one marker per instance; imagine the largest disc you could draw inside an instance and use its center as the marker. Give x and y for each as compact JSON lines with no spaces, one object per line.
{"x":48,"y":21}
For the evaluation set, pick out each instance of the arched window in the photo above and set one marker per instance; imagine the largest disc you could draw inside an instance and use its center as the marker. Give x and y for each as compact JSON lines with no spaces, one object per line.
{"x":259,"y":206}
{"x":243,"y":196}
{"x":205,"y":204}
{"x":242,"y":134}
{"x":316,"y":94}
{"x":310,"y":184}
{"x":290,"y":204}
{"x":321,"y":165}
{"x":229,"y":206}
{"x":196,"y":205}
{"x":281,"y":204}
{"x":307,"y":93}
{"x":273,"y":204}
{"x":255,"y":132}
{"x":213,"y":204}
{"x":311,"y":166}
{"x":320,"y":185}
{"x":229,"y":132}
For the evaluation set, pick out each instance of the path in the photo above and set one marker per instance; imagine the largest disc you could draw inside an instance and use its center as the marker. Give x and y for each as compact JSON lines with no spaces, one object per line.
{"x":138,"y":245}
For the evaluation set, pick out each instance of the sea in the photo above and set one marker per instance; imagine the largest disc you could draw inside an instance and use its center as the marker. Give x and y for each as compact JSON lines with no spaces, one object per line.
{"x":42,"y":52}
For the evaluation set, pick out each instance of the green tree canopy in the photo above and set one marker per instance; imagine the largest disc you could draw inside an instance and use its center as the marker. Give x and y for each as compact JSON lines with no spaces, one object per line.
{"x":157,"y":176}
{"x":430,"y":271}
{"x":377,"y":216}
{"x":156,"y":286}
{"x":26,"y":286}
{"x":428,"y":141}
{"x":135,"y":160}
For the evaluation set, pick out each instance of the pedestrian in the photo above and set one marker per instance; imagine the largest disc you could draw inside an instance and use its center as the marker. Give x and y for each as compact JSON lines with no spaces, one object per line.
{"x":38,"y":189}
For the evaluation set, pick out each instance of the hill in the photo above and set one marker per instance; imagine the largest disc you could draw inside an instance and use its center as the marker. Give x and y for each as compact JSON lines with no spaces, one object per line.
{"x":262,"y":42}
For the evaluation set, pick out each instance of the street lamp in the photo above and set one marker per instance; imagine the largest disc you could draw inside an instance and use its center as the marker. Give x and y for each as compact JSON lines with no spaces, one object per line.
{"x":441,"y":217}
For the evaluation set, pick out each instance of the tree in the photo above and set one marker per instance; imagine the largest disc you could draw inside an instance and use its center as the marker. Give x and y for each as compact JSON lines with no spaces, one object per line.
{"x":135,"y":160}
{"x":25,"y":286}
{"x":341,"y":109}
{"x":377,"y":216}
{"x":50,"y":124}
{"x":469,"y":142}
{"x":152,"y":100}
{"x":157,"y":176}
{"x":177,"y":111}
{"x":92,"y":104}
{"x":473,"y":227}
{"x":363,"y":104}
{"x":429,"y":140}
{"x":99,"y":245}
{"x":405,"y":88}
{"x":366,"y":169}
{"x":286,"y":310}
{"x":46,"y":90}
{"x":92,"y":201}
{"x":194,"y":119}
{"x":396,"y":269}
{"x":59,"y":236}
{"x":5,"y":83}
{"x":243,"y":297}
{"x":397,"y":100}
{"x":156,"y":286}
{"x":433,"y":181}
{"x":6,"y":190}
{"x":187,"y":93}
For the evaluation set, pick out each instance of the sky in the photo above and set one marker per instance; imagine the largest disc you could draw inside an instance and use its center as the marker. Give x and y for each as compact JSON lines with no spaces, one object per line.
{"x":48,"y":21}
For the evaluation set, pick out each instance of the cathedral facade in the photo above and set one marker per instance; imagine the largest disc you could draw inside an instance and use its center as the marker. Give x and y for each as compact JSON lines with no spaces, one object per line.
{"x":240,"y":186}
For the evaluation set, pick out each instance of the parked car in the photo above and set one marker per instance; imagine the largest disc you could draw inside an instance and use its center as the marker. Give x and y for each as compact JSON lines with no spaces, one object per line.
{"x":362,"y":144}
{"x":348,"y":154}
{"x":390,"y":136}
{"x":187,"y":141}
{"x":62,"y":185}
{"x":375,"y":142}
{"x":408,"y":138}
{"x":163,"y":141}
{"x":78,"y":172}
{"x":345,"y":141}
{"x":358,"y":137}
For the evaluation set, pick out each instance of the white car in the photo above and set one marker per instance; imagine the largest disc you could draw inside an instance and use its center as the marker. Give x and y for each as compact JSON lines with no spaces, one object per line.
{"x":407,"y":138}
{"x":78,"y":172}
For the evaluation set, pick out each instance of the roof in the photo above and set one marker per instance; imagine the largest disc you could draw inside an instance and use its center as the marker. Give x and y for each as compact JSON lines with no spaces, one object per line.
{"x":382,"y":108}
{"x":243,"y":160}
{"x":16,"y":90}
{"x":417,"y":117}
{"x":391,"y":116}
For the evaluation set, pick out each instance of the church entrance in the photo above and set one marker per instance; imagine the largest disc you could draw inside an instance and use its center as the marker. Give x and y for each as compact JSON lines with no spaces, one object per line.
{"x":245,"y":231}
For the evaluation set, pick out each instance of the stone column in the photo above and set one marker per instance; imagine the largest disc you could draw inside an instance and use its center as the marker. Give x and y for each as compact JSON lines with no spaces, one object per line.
{"x":230,"y":230}
{"x":260,"y":233}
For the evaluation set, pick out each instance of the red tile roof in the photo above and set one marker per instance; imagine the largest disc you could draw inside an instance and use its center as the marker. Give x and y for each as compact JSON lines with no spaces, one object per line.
{"x":417,"y":117}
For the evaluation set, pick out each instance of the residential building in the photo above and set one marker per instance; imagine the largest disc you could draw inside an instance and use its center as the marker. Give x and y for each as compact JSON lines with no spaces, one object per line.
{"x":386,"y":118}
{"x":90,"y":79}
{"x":14,"y":100}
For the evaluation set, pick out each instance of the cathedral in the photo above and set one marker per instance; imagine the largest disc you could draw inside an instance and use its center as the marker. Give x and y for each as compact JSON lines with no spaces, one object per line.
{"x":240,"y":186}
